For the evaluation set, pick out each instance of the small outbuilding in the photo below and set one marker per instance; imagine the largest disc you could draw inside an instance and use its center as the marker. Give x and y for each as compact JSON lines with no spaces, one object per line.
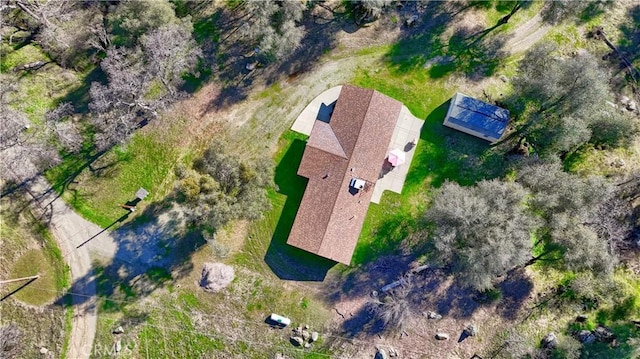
{"x":476,"y":117}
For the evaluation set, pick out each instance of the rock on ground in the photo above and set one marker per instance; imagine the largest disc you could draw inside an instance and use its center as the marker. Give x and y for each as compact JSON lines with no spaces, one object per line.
{"x":586,"y":337}
{"x":550,"y":341}
{"x":380,"y":354}
{"x":216,"y":276}
{"x":471,"y":330}
{"x":442,"y":336}
{"x":297,"y":341}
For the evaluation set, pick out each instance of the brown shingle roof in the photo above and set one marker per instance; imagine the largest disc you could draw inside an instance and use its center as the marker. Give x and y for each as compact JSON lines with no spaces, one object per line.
{"x":353,"y":144}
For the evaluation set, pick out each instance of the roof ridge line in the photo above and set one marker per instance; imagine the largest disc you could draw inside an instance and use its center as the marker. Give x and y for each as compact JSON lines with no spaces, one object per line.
{"x":344,"y":154}
{"x":349,"y":159}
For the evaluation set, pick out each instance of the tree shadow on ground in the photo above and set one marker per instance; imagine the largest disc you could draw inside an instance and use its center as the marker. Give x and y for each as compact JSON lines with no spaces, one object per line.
{"x":468,"y":51}
{"x":515,"y":288}
{"x":629,"y":47}
{"x":80,"y":96}
{"x":287,"y":262}
{"x":239,"y":67}
{"x":444,"y":294}
{"x":447,"y":154}
{"x":434,"y":289}
{"x":364,"y":322}
{"x":142,"y":256}
{"x":361,"y":285}
{"x":556,"y":12}
{"x":630,"y":40}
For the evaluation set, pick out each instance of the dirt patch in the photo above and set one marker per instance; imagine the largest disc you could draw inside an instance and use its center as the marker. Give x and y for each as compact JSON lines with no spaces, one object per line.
{"x":527,"y":34}
{"x":232,"y":237}
{"x":433,"y":290}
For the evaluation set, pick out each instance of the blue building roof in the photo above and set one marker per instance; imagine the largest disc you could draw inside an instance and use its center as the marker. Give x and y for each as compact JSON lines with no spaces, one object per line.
{"x":478,"y":116}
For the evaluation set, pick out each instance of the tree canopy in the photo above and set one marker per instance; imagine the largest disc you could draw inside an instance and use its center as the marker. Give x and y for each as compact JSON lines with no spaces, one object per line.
{"x":222,"y":188}
{"x":563,"y":102}
{"x":483,"y":231}
{"x":274,"y":26}
{"x":141,"y":80}
{"x":566,"y":202}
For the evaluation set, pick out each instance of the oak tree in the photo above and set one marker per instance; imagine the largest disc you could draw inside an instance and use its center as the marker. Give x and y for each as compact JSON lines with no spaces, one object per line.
{"x":483,"y":231}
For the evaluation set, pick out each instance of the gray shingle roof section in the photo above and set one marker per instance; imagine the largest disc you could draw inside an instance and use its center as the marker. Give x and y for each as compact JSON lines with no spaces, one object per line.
{"x":480,"y":117}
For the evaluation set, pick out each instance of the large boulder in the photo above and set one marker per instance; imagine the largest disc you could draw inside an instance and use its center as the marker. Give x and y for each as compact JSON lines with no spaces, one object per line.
{"x":433,"y":315}
{"x":216,"y":276}
{"x":442,"y":336}
{"x":305,"y":335}
{"x":314,"y":337}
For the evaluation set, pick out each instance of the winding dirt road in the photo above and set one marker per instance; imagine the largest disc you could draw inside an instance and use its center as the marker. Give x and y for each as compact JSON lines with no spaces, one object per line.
{"x":70,"y":230}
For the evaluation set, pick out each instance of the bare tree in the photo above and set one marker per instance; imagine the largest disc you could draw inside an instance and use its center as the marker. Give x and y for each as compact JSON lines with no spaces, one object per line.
{"x":368,"y":10}
{"x":14,"y":124}
{"x":394,"y":309}
{"x":125,"y":102}
{"x":118,"y":107}
{"x":64,"y":29}
{"x":62,"y":127}
{"x":24,"y":151}
{"x":612,"y":220}
{"x":169,"y":52}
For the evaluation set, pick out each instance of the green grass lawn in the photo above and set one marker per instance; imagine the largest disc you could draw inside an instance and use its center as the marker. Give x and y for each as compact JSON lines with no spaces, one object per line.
{"x":98,"y":191}
{"x":32,"y":250}
{"x":268,"y":236}
{"x":43,"y":290}
{"x":441,"y":154}
{"x":38,"y":91}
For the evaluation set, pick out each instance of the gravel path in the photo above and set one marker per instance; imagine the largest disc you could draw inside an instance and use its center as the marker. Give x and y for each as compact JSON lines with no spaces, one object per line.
{"x":70,"y":230}
{"x":527,"y":34}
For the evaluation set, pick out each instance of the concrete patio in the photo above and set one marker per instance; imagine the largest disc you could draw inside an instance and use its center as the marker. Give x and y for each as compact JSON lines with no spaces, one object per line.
{"x":316,"y":109}
{"x":407,"y":130}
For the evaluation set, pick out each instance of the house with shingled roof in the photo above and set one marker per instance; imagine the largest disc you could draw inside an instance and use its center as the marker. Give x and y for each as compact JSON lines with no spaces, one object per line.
{"x":342,"y":161}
